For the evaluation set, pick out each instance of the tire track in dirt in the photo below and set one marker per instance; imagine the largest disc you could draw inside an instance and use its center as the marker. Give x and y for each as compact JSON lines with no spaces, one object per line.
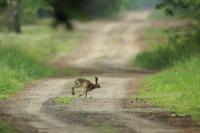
{"x":29,"y":107}
{"x":106,"y":108}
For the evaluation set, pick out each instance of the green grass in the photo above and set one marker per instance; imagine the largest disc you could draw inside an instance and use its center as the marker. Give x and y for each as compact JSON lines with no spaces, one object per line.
{"x":177,"y":89}
{"x":5,"y":129}
{"x":40,"y":42}
{"x":105,"y":128}
{"x":153,"y":36}
{"x":64,"y":100}
{"x":158,"y":15}
{"x":16,"y":70}
{"x":155,"y":43}
{"x":22,"y":56}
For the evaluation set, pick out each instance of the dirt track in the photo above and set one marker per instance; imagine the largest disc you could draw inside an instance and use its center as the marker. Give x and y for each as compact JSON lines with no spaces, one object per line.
{"x":107,"y":48}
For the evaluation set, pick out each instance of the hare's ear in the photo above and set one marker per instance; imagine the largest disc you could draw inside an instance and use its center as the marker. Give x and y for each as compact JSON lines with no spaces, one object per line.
{"x":96,"y":79}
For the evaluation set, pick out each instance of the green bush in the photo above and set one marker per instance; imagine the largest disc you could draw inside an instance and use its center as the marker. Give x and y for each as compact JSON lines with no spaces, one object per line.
{"x":142,"y":4}
{"x":29,"y":10}
{"x":158,"y":15}
{"x":180,"y":45}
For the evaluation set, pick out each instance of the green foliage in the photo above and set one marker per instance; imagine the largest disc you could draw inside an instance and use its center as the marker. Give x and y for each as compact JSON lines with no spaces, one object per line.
{"x":141,"y":4}
{"x":177,"y":89}
{"x":182,"y":44}
{"x":70,"y":8}
{"x":64,"y":100}
{"x":3,"y":4}
{"x":158,"y":15}
{"x":188,"y":8}
{"x":88,"y":8}
{"x":29,"y":10}
{"x":5,"y":129}
{"x":77,"y":9}
{"x":105,"y":7}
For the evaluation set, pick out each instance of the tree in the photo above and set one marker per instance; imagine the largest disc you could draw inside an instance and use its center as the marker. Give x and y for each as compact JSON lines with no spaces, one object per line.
{"x":3,"y":4}
{"x":65,"y":10}
{"x":188,"y":8}
{"x":13,"y":9}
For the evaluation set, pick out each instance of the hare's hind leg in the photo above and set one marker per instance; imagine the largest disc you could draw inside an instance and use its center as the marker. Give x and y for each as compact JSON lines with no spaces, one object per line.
{"x":75,"y":85}
{"x":83,"y":93}
{"x":73,"y":89}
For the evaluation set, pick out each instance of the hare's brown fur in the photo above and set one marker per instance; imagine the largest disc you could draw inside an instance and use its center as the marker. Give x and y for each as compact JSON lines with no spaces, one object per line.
{"x":88,"y":85}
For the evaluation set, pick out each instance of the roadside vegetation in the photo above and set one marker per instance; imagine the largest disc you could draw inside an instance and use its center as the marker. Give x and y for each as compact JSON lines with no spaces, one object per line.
{"x":158,"y":15}
{"x":176,"y":52}
{"x":177,"y":89}
{"x":166,"y":47}
{"x":23,"y":57}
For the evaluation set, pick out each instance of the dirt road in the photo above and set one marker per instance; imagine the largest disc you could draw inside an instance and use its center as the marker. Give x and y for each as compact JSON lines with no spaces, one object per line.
{"x":107,"y":49}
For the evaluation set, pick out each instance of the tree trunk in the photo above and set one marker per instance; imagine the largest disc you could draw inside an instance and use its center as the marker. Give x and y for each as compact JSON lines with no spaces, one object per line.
{"x":13,"y":16}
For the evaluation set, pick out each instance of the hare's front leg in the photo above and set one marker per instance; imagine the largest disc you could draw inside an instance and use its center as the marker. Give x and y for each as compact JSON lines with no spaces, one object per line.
{"x":73,"y":92}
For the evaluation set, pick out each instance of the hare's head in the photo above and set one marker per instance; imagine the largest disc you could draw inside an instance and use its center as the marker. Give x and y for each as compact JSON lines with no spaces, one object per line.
{"x":96,"y":83}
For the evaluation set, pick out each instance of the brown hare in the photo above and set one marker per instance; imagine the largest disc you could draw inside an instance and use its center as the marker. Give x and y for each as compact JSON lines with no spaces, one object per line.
{"x":86,"y":84}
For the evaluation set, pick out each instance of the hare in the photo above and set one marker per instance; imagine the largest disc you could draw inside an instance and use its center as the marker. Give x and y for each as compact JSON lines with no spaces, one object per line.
{"x":89,"y":86}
